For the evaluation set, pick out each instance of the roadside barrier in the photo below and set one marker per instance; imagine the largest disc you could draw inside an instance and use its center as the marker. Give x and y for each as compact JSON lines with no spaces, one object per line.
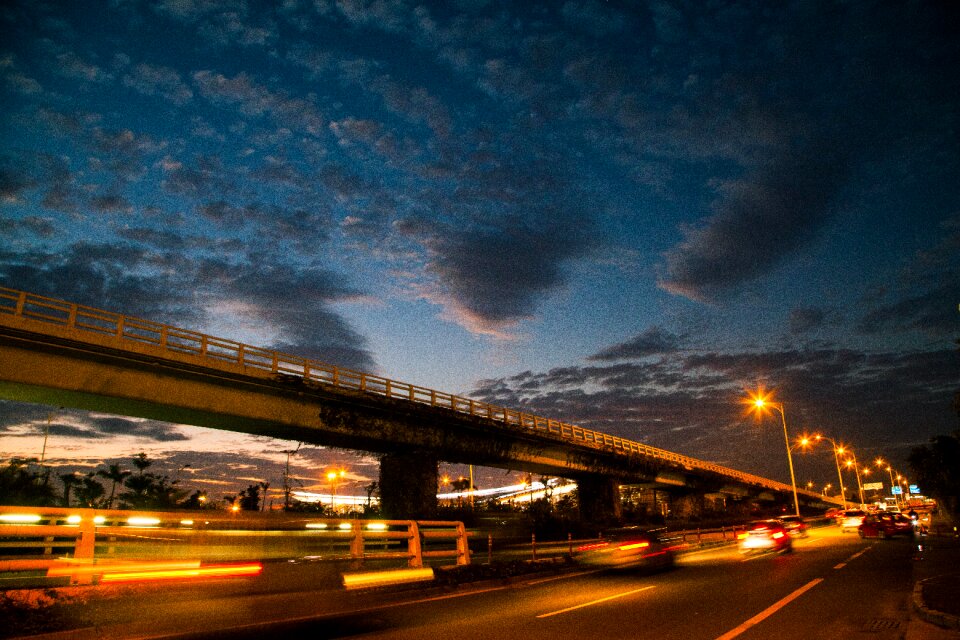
{"x":87,"y":544}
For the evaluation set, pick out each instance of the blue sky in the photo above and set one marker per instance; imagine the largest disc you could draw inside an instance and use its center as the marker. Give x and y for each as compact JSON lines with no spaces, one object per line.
{"x":616,"y":214}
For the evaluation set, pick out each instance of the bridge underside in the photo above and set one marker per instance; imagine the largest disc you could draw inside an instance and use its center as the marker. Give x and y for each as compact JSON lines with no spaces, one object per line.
{"x":145,"y":382}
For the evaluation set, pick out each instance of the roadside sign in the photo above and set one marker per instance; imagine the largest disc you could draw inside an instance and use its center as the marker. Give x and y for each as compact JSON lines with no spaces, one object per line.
{"x":914,"y":489}
{"x":873,"y":486}
{"x":897,"y":491}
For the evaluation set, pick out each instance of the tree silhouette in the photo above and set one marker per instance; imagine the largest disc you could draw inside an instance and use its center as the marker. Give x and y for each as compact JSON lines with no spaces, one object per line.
{"x":89,"y":492}
{"x":116,"y":476}
{"x":149,"y":490}
{"x":141,"y":462}
{"x":21,"y":486}
{"x":936,"y":469}
{"x":68,"y":480}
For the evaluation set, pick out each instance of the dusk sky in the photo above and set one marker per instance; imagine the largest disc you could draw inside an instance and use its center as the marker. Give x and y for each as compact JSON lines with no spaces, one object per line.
{"x":617,"y":214}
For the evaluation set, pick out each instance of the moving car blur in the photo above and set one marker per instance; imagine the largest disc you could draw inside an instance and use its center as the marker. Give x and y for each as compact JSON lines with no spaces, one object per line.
{"x":765,"y":535}
{"x":851,"y":519}
{"x":629,"y":548}
{"x":885,"y":525}
{"x":795,"y":526}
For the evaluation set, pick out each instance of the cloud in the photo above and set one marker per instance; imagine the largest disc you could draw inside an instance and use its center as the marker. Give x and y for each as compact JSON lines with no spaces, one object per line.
{"x":153,"y":80}
{"x":70,"y":65}
{"x":806,"y":319}
{"x":253,"y":99}
{"x":653,"y":341}
{"x":690,"y":403}
{"x":761,"y":222}
{"x":494,"y":275}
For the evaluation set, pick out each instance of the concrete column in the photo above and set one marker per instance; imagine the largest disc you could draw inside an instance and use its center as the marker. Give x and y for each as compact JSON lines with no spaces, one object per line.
{"x":408,"y":486}
{"x":687,"y":506}
{"x":599,"y":498}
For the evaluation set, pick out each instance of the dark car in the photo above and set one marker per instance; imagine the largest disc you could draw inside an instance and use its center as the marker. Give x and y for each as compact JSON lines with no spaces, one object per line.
{"x":885,"y":525}
{"x":795,"y":526}
{"x":765,"y":535}
{"x":628,"y":548}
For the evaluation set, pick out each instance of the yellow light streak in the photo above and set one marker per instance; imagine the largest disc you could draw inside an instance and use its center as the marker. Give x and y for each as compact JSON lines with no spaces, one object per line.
{"x":20,"y":518}
{"x":217,"y":571}
{"x":381,"y":578}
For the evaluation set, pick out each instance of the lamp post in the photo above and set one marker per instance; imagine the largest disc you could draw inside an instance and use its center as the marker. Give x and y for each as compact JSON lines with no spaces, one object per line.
{"x":881,"y":465}
{"x":852,"y":462}
{"x":836,"y":459}
{"x":760,"y":403}
{"x":825,"y":488}
{"x":335,"y":477}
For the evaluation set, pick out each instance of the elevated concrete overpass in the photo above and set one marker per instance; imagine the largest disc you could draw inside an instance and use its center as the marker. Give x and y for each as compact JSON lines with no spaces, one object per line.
{"x":59,"y":353}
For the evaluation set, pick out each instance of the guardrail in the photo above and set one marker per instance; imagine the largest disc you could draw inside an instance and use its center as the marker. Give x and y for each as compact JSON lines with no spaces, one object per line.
{"x":83,"y":319}
{"x":86,"y":544}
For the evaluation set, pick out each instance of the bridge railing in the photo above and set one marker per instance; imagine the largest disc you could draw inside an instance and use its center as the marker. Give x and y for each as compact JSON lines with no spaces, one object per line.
{"x":86,"y":544}
{"x":81,"y":318}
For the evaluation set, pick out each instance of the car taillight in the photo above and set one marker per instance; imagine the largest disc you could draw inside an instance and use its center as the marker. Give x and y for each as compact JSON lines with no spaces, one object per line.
{"x":593,"y":547}
{"x":777,"y":535}
{"x":633,"y":545}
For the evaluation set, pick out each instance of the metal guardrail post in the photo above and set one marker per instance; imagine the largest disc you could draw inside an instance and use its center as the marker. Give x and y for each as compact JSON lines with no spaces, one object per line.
{"x":356,"y":542}
{"x":414,"y":547}
{"x":84,"y":550}
{"x":463,"y":548}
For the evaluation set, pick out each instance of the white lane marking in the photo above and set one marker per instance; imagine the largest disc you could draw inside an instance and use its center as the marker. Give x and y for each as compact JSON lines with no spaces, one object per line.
{"x":593,"y":602}
{"x":852,"y":558}
{"x":769,"y":611}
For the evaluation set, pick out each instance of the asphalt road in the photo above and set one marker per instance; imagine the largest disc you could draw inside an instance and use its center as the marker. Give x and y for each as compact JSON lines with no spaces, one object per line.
{"x":832,"y":586}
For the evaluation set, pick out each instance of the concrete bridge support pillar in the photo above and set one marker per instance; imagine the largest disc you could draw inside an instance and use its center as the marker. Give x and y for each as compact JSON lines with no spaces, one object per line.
{"x":408,"y":486}
{"x":599,"y":498}
{"x":687,"y":506}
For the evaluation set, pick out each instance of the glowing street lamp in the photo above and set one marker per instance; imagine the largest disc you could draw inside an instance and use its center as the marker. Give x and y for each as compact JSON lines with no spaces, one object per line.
{"x":837,"y":450}
{"x":335,"y":477}
{"x":852,"y":462}
{"x":760,"y":403}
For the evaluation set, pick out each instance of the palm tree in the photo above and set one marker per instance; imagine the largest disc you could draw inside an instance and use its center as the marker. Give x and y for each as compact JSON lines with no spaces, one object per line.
{"x":116,"y":475}
{"x":68,"y":480}
{"x":141,"y":462}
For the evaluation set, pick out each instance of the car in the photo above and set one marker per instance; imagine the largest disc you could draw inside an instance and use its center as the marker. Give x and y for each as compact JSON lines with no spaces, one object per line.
{"x":795,"y":526}
{"x":885,"y":525}
{"x":765,"y":535}
{"x":850,"y":519}
{"x":629,"y":548}
{"x":832,"y":513}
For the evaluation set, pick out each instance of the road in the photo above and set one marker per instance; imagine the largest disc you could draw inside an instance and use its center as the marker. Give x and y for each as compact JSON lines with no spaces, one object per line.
{"x":832,"y":586}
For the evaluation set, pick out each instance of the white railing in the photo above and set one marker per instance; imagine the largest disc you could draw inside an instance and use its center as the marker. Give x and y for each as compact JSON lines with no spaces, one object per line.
{"x":87,"y":320}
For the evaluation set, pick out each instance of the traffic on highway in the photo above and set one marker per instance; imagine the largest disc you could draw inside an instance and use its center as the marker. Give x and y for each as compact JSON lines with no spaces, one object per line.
{"x":822,"y":584}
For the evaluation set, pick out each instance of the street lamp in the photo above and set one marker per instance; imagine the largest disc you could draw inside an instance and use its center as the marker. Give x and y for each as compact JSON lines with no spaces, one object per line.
{"x":825,"y":488}
{"x":760,"y":402}
{"x":335,"y":477}
{"x":852,"y":462}
{"x":836,"y":459}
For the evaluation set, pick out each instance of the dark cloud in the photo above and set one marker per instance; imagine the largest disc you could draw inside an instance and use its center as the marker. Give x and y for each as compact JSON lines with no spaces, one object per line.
{"x":653,"y":341}
{"x":692,"y":403}
{"x":14,"y":181}
{"x":102,"y":276}
{"x":498,"y":273}
{"x":151,"y":429}
{"x":761,"y":222}
{"x":806,"y":319}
